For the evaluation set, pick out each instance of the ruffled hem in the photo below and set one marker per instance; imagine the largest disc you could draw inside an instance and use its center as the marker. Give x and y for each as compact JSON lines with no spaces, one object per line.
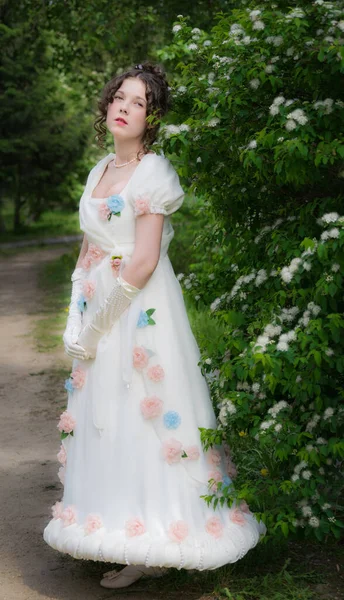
{"x":201,"y":553}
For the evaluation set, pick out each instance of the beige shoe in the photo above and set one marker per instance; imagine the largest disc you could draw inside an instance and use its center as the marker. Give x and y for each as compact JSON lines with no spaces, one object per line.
{"x":130,"y":574}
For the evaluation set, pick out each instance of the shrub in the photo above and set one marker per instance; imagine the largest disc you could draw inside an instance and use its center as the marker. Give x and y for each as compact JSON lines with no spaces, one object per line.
{"x":262,"y":142}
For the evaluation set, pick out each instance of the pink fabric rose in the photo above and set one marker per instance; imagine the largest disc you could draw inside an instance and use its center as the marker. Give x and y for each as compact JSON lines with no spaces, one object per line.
{"x":236,"y":516}
{"x":217,"y":476}
{"x":192,"y":453}
{"x":134,"y":527}
{"x":244,"y":507}
{"x":66,"y":423}
{"x":69,"y":516}
{"x":213,"y":457}
{"x":115,"y":262}
{"x":92,"y":255}
{"x":89,"y":288}
{"x":93,"y":523}
{"x":95,"y":253}
{"x":172,"y":451}
{"x":62,"y":474}
{"x":156,"y":373}
{"x":178,"y":531}
{"x":78,"y":377}
{"x":214,"y":527}
{"x":104,"y":211}
{"x":57,"y":510}
{"x":151,"y":407}
{"x":141,"y":206}
{"x":62,"y":455}
{"x":140,"y":357}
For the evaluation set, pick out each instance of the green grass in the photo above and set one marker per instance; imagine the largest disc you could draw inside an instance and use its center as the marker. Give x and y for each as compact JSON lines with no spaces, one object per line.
{"x":54,"y":279}
{"x":53,"y":223}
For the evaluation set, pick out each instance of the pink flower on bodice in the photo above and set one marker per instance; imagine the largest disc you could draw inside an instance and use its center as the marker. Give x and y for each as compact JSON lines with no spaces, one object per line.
{"x":78,"y":377}
{"x":141,"y":206}
{"x":192,"y":453}
{"x":57,"y":510}
{"x":66,"y":423}
{"x":104,"y":211}
{"x":172,"y":451}
{"x":213,"y":457}
{"x":237,"y":516}
{"x":140,"y":357}
{"x":89,"y":288}
{"x":214,"y":527}
{"x":134,"y":527}
{"x":151,"y":407}
{"x":69,"y":516}
{"x":93,"y":523}
{"x":178,"y":531}
{"x":62,"y":455}
{"x":156,"y":373}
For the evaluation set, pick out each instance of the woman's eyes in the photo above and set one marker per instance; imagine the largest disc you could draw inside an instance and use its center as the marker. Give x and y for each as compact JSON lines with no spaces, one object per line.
{"x":120,"y":98}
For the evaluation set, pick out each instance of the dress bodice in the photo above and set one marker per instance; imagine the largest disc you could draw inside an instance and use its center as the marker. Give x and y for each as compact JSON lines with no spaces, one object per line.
{"x":115,"y":233}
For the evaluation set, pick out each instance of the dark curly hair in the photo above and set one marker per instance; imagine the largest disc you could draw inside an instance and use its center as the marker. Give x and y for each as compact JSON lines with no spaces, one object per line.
{"x":157,"y":94}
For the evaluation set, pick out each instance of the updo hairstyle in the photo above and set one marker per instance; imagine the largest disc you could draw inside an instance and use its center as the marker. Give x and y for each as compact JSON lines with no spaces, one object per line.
{"x":157,"y":95}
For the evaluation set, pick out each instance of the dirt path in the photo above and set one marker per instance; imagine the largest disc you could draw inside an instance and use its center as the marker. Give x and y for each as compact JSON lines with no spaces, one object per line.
{"x":32,"y":396}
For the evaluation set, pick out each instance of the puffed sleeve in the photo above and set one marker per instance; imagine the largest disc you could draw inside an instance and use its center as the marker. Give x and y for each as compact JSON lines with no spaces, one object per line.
{"x":156,"y":189}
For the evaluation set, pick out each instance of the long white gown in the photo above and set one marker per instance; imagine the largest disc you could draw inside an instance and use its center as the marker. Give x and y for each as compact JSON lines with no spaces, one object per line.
{"x":133,"y":466}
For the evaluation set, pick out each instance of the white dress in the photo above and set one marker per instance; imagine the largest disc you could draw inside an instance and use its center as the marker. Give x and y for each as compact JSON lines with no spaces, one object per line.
{"x":133,"y":467}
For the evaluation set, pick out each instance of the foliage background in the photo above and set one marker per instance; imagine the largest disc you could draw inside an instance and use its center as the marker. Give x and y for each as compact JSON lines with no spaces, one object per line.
{"x":257,"y":137}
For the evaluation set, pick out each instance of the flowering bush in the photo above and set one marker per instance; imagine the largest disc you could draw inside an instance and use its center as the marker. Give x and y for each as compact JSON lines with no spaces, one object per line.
{"x":261,"y":142}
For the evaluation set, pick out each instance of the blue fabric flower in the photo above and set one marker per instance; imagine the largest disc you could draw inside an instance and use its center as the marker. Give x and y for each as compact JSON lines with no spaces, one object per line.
{"x":69,"y":385}
{"x":143,"y":319}
{"x":226,"y":480}
{"x":115,"y":203}
{"x":172,"y":419}
{"x":81,"y":303}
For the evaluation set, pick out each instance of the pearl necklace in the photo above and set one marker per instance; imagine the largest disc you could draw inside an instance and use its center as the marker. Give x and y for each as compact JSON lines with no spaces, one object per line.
{"x":123,"y":164}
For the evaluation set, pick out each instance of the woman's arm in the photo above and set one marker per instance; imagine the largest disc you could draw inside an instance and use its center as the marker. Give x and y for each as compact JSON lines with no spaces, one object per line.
{"x":135,"y":276}
{"x":146,"y":253}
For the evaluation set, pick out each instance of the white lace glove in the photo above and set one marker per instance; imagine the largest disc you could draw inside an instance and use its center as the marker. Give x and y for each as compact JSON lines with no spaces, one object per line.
{"x":113,"y":306}
{"x":74,"y":321}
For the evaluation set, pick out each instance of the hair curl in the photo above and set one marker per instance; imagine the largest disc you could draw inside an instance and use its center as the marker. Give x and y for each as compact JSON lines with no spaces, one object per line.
{"x":157,"y":94}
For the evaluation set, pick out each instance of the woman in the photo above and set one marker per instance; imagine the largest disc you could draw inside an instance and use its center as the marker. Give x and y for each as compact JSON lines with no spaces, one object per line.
{"x":131,"y":459}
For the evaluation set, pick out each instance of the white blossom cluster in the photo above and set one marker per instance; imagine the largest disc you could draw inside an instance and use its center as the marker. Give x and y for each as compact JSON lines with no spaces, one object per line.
{"x":297,"y":13}
{"x":227,"y":409}
{"x":326,"y":104}
{"x":294,"y":118}
{"x":169,"y":130}
{"x":176,"y":28}
{"x":328,"y":413}
{"x":275,"y":40}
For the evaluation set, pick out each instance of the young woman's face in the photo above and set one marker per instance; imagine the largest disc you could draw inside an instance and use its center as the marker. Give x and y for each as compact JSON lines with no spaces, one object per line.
{"x":126,"y":115}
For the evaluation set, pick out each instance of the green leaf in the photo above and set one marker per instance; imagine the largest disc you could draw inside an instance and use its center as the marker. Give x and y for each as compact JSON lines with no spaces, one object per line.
{"x":150,"y":311}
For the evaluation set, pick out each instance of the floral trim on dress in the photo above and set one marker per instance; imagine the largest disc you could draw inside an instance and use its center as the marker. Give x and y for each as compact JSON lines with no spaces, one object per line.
{"x":145,"y":318}
{"x":93,"y":255}
{"x":144,"y":206}
{"x":112,"y":206}
{"x":66,"y":424}
{"x":76,"y":380}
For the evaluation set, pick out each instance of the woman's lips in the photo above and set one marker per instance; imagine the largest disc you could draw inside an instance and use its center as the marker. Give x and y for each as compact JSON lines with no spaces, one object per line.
{"x":121,"y":122}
